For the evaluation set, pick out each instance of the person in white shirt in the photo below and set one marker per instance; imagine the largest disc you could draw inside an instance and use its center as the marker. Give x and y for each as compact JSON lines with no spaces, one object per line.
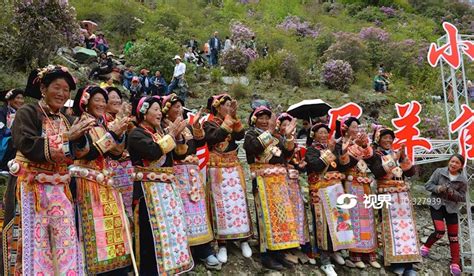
{"x":178,"y":79}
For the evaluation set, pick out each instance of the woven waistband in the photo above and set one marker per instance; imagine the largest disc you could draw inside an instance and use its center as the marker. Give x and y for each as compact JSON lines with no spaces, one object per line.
{"x":227,"y":159}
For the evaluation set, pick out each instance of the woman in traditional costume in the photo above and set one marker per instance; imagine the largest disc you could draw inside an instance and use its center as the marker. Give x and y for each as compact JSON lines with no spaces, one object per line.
{"x":401,"y":247}
{"x":266,"y":155}
{"x":448,"y":187}
{"x":357,"y":183}
{"x":14,"y":99}
{"x":122,"y":168}
{"x":160,"y":226}
{"x":332,"y":224}
{"x":39,"y":237}
{"x":226,"y":178}
{"x":296,"y":164}
{"x":190,"y":183}
{"x":102,"y":217}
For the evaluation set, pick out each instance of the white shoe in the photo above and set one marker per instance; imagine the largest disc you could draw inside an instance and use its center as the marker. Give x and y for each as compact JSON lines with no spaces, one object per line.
{"x":212,"y":262}
{"x":338,"y":258}
{"x":360,"y":264}
{"x":246,"y":250}
{"x":329,"y":270}
{"x":222,"y":254}
{"x":375,"y":264}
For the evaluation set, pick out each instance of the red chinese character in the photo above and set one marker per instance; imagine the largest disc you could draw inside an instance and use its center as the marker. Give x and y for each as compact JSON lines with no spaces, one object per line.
{"x":450,"y":51}
{"x":347,"y":110}
{"x":407,"y":131}
{"x":464,"y":123}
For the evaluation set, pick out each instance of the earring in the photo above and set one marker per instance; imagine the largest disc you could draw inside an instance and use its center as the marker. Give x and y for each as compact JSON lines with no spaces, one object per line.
{"x":43,"y":95}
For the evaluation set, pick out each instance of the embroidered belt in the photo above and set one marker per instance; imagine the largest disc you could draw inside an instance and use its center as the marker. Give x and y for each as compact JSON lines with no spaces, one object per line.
{"x":102,"y":178}
{"x":50,"y":174}
{"x":392,"y":186}
{"x":151,"y":175}
{"x":267,"y":169}
{"x":190,"y":159}
{"x":361,"y":178}
{"x":222,"y":160}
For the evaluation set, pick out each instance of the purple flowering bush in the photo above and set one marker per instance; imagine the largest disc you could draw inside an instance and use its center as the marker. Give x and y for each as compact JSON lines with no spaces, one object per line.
{"x":374,"y":34}
{"x":294,"y":24}
{"x":38,"y":29}
{"x":432,"y":129}
{"x":348,"y":47}
{"x":388,"y":11}
{"x":235,"y":61}
{"x":240,"y":32}
{"x":250,"y":53}
{"x":337,"y":74}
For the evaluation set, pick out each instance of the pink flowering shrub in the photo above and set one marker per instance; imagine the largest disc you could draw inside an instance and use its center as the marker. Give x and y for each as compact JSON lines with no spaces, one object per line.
{"x":294,"y":24}
{"x":235,"y":61}
{"x":337,"y":74}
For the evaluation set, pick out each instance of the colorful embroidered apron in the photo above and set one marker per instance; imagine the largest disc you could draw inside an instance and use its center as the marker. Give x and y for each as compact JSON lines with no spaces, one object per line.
{"x":276,"y":221}
{"x":122,"y":175}
{"x":363,"y":219}
{"x":167,"y":220}
{"x":228,"y":197}
{"x":101,"y":220}
{"x":41,"y":239}
{"x":193,"y":195}
{"x":299,"y":210}
{"x":329,"y":217}
{"x":399,"y":236}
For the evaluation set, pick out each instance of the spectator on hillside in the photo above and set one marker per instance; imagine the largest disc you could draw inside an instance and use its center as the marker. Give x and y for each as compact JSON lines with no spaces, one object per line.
{"x":135,"y":89}
{"x":193,"y":44}
{"x":90,"y":40}
{"x":207,"y":53}
{"x":105,"y":66}
{"x":100,"y":43}
{"x":145,"y":81}
{"x":252,"y":44}
{"x":470,"y":90}
{"x":128,"y":74}
{"x":108,"y":83}
{"x":215,"y":47}
{"x":304,"y":132}
{"x":128,"y":46}
{"x":158,"y":84}
{"x":265,"y":50}
{"x":178,"y":78}
{"x":189,"y":56}
{"x":380,"y":83}
{"x":227,"y":44}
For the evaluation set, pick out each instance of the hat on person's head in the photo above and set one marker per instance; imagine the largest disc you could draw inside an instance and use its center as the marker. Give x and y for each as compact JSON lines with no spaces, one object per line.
{"x":177,"y":57}
{"x":379,"y":132}
{"x":343,"y":125}
{"x":215,"y":101}
{"x":45,"y":76}
{"x":110,"y":54}
{"x":115,"y":89}
{"x":144,"y":71}
{"x":84,"y":95}
{"x":283,"y":116}
{"x":259,"y":111}
{"x":314,"y":130}
{"x":168,"y":101}
{"x":11,"y":94}
{"x":135,"y":79}
{"x":144,"y":104}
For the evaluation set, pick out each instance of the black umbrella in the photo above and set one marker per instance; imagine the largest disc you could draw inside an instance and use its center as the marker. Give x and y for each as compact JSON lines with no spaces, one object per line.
{"x":308,"y":109}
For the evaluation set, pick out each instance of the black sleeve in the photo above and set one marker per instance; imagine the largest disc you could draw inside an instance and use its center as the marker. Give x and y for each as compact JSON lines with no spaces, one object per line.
{"x":252,"y":145}
{"x":313,"y":162}
{"x":142,"y":144}
{"x":214,"y":133}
